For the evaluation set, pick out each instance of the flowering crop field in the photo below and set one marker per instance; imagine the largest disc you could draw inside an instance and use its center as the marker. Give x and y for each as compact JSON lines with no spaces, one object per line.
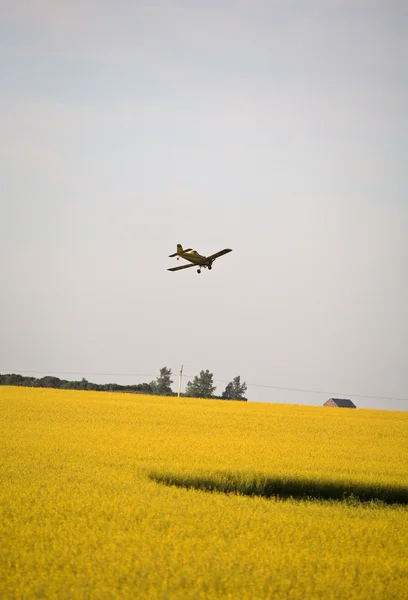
{"x":108,"y":495}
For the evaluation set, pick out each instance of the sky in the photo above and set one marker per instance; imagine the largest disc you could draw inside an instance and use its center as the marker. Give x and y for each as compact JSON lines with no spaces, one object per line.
{"x":276,"y":128}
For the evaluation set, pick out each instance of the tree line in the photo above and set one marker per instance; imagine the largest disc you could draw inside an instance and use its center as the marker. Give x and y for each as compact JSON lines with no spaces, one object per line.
{"x":55,"y":382}
{"x":202,"y":385}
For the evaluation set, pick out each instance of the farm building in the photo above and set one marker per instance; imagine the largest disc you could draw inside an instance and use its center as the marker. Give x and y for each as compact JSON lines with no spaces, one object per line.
{"x":340,"y":403}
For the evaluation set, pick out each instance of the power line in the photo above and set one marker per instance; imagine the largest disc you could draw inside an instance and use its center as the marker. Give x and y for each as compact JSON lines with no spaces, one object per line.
{"x":259,"y":385}
{"x":289,"y":389}
{"x":275,"y":387}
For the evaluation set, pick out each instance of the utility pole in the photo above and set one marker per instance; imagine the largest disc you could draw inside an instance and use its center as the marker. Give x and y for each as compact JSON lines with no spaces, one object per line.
{"x":179,"y":381}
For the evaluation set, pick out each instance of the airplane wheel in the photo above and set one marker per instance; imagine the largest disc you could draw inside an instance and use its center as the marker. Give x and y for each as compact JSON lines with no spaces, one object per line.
{"x":198,"y":270}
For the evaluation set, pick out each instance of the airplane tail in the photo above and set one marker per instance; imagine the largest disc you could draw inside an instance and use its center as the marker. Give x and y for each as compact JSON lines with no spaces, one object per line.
{"x":179,"y":251}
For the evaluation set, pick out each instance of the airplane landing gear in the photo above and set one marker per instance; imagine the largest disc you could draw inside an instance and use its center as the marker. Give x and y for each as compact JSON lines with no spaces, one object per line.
{"x":198,"y":270}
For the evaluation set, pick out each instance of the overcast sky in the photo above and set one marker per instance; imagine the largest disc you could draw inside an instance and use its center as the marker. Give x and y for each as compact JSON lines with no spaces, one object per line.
{"x":276,"y":128}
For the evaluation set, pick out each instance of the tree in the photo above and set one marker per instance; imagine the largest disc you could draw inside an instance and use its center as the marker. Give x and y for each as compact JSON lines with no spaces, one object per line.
{"x":201,"y":386}
{"x":49,"y":382}
{"x":235,"y":390}
{"x":161,"y":386}
{"x":83,"y":384}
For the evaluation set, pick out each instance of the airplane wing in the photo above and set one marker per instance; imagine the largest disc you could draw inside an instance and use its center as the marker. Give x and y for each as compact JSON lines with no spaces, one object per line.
{"x":220,"y":253}
{"x":182,"y":267}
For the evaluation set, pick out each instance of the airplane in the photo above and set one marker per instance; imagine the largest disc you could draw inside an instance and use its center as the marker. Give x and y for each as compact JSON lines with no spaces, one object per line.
{"x":196,"y":259}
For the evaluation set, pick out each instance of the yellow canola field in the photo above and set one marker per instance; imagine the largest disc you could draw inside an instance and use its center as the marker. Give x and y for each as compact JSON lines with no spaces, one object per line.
{"x":85,"y":512}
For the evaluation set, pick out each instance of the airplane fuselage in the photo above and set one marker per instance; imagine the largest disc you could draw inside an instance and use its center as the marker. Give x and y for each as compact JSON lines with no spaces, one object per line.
{"x":196,"y":258}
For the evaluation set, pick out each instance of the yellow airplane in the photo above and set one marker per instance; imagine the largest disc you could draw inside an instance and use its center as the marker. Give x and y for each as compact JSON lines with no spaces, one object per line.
{"x":196,"y":259}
